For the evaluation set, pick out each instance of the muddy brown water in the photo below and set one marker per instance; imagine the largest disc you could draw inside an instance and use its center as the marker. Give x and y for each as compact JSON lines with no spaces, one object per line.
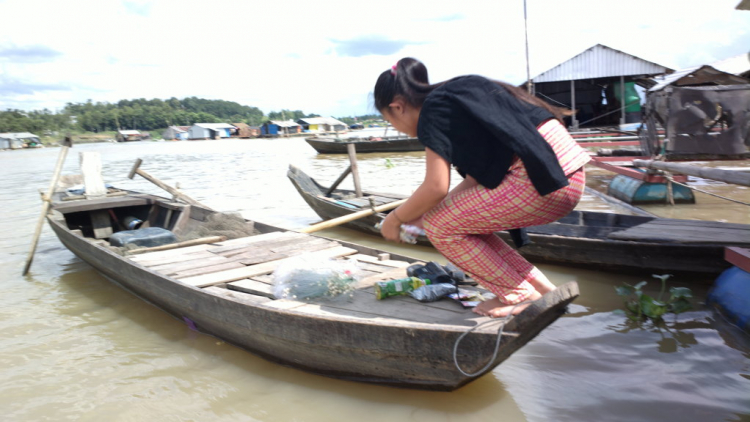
{"x":76,"y":347}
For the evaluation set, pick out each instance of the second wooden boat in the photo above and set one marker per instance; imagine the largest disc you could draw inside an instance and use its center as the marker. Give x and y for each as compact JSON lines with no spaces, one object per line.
{"x":385,"y":144}
{"x":588,"y":239}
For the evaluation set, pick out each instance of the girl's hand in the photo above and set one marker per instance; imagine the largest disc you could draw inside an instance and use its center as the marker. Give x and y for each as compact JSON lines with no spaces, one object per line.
{"x":391,"y":228}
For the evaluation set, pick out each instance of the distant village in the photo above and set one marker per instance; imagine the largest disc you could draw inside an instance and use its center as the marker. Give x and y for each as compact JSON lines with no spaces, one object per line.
{"x":202,"y":131}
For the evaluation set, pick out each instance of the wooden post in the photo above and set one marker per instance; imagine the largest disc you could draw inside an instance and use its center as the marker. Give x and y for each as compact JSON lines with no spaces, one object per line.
{"x":45,"y":206}
{"x":573,"y":118}
{"x":622,"y":100}
{"x":352,"y":151}
{"x":338,"y":181}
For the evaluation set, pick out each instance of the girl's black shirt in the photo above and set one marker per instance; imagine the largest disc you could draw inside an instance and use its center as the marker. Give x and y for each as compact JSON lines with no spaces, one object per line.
{"x":479,"y":126}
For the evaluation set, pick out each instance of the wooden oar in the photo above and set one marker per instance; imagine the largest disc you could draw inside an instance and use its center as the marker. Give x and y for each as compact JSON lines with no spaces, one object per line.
{"x":45,"y":206}
{"x":351,"y":217}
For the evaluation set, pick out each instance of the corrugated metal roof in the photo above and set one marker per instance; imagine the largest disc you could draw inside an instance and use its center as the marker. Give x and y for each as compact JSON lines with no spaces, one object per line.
{"x":284,"y":123}
{"x":600,"y":61}
{"x":697,"y":75}
{"x":321,"y":121}
{"x":215,"y":126}
{"x":17,"y":135}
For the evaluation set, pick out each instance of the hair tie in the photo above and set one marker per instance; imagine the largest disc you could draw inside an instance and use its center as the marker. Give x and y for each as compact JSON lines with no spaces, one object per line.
{"x":393,"y":69}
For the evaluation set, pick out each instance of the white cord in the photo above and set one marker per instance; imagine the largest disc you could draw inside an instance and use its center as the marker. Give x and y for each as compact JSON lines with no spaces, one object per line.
{"x":497,"y":343}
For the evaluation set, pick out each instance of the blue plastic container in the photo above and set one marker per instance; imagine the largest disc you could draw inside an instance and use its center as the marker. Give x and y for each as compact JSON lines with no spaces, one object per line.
{"x":730,"y":295}
{"x":148,"y":237}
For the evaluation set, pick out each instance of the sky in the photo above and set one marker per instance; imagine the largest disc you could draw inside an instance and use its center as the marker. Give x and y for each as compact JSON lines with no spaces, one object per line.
{"x":324,"y":56}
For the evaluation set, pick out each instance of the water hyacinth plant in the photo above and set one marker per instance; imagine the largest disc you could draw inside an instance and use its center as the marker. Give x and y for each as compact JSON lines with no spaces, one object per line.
{"x":642,"y":307}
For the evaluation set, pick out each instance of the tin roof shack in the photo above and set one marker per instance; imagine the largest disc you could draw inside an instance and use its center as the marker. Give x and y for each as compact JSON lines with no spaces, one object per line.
{"x":321,"y":124}
{"x":18,"y":140}
{"x":275,"y":128}
{"x":129,"y":136}
{"x":210,"y":131}
{"x":599,"y":84}
{"x":705,"y":113}
{"x":245,"y":131}
{"x":176,"y":133}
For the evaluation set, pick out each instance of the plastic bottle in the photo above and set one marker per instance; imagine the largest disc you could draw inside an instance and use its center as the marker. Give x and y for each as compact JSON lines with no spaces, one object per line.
{"x":400,"y":287}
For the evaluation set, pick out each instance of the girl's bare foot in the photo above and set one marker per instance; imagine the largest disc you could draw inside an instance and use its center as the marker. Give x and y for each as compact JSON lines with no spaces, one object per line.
{"x":493,"y":308}
{"x":541,"y":283}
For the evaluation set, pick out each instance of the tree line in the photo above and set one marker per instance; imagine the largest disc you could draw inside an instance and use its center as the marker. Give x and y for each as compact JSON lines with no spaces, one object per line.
{"x":142,"y":114}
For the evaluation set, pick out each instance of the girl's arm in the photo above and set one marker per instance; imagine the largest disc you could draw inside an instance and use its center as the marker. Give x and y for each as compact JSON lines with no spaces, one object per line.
{"x":432,"y":190}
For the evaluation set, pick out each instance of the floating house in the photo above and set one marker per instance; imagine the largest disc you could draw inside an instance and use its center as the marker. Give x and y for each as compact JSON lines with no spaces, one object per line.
{"x":177,"y":133}
{"x":245,"y":131}
{"x":210,"y":131}
{"x":280,"y":128}
{"x":129,"y":136}
{"x":599,"y":84}
{"x":321,"y":124}
{"x":703,"y":111}
{"x":18,"y":140}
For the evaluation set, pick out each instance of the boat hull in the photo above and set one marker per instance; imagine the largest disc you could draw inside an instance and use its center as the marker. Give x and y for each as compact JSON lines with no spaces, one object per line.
{"x":404,"y":354}
{"x":333,"y":146}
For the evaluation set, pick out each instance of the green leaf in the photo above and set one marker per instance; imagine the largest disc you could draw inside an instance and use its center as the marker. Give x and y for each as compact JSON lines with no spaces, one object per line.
{"x":680,"y":292}
{"x":619,"y":312}
{"x":651,"y":308}
{"x":641,"y":284}
{"x":625,"y":290}
{"x":662,"y":277}
{"x":680,"y":305}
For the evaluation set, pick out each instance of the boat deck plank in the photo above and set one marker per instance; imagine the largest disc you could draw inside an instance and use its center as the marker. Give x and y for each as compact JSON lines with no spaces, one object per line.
{"x":687,"y":231}
{"x":258,"y":269}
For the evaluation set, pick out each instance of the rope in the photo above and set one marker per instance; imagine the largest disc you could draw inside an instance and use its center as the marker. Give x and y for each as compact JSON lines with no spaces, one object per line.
{"x":497,"y":343}
{"x":669,"y":177}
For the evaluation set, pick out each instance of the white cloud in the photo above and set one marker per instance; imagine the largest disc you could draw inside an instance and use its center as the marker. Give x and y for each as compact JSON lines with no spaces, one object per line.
{"x":324,"y":56}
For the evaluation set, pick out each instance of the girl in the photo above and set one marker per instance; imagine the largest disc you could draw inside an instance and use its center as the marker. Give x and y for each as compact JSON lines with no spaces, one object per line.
{"x":520,"y":166}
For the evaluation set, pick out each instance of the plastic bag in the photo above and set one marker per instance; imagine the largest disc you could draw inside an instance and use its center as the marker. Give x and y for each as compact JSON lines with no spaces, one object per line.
{"x":306,"y":277}
{"x":433,"y":292}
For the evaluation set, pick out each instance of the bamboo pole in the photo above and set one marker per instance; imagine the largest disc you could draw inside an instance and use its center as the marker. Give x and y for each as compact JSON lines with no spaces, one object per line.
{"x":351,"y":217}
{"x":193,"y":242}
{"x":726,"y":176}
{"x":45,"y":206}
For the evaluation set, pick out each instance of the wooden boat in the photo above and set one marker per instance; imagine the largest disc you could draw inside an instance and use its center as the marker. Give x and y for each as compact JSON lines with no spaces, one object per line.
{"x":594,"y":240}
{"x":384,"y":144}
{"x":223,"y":288}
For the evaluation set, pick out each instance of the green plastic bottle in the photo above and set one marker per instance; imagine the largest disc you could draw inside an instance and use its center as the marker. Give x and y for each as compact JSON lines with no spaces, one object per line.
{"x":400,"y":287}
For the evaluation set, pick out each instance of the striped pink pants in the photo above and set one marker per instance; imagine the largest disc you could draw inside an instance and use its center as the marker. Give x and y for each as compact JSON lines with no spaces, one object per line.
{"x":461,"y":228}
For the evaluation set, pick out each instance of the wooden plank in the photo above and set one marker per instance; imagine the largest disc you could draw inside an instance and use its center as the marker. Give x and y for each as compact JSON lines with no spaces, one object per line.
{"x":234,"y":244}
{"x":392,"y":274}
{"x":153,"y":256}
{"x":253,"y":287}
{"x":275,"y":245}
{"x":207,"y":269}
{"x":172,"y":259}
{"x":398,"y":307}
{"x":254,"y":258}
{"x":190,"y":262}
{"x":374,"y":260}
{"x":667,"y":231}
{"x":739,"y":257}
{"x":99,"y":203}
{"x":258,"y":269}
{"x":101,"y":223}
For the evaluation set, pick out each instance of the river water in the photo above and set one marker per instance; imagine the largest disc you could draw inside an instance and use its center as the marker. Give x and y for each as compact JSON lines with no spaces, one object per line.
{"x":76,"y":347}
